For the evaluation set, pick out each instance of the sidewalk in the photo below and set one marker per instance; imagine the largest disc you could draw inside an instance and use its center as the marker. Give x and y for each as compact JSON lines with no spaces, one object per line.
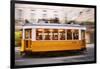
{"x":90,"y":45}
{"x":17,"y":49}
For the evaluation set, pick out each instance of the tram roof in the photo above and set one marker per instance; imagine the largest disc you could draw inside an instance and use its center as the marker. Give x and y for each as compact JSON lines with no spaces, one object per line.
{"x":52,"y":25}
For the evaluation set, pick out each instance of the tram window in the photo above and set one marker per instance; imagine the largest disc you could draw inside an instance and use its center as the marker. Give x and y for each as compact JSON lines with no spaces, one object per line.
{"x":82,"y":34}
{"x":47,"y":34}
{"x":75,"y":34}
{"x":69,"y":34}
{"x":27,"y":33}
{"x":55,"y":34}
{"x":62,"y":34}
{"x":39,"y":35}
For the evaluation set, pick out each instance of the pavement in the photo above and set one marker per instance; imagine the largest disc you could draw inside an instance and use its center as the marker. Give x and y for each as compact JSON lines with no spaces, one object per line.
{"x":88,"y":56}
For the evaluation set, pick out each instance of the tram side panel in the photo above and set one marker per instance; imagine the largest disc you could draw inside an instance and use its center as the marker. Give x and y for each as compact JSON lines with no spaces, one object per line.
{"x":59,"y":45}
{"x":40,"y":46}
{"x":43,"y":46}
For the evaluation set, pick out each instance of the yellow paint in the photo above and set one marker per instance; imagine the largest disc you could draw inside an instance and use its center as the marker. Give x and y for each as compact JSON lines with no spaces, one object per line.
{"x":40,"y":46}
{"x":22,"y":46}
{"x":56,"y":45}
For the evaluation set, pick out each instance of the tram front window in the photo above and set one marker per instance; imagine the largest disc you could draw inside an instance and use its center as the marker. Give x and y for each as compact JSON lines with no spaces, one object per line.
{"x":69,"y":34}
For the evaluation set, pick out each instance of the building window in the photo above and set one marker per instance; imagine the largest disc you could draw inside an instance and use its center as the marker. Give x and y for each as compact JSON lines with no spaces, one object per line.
{"x":39,"y":34}
{"x":44,"y":10}
{"x":18,"y":16}
{"x":62,"y":34}
{"x":44,"y":15}
{"x":28,"y":33}
{"x":55,"y":11}
{"x":19,"y":12}
{"x":32,"y":10}
{"x":55,"y":15}
{"x":75,"y":34}
{"x":69,"y":34}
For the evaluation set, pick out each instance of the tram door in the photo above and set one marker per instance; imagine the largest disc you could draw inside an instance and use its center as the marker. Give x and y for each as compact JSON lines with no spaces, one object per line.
{"x":28,"y":37}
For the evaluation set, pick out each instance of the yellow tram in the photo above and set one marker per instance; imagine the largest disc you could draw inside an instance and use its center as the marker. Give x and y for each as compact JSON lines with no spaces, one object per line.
{"x":46,"y":37}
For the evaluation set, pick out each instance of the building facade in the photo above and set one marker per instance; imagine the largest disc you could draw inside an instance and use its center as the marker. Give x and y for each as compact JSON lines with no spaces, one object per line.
{"x":54,"y":14}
